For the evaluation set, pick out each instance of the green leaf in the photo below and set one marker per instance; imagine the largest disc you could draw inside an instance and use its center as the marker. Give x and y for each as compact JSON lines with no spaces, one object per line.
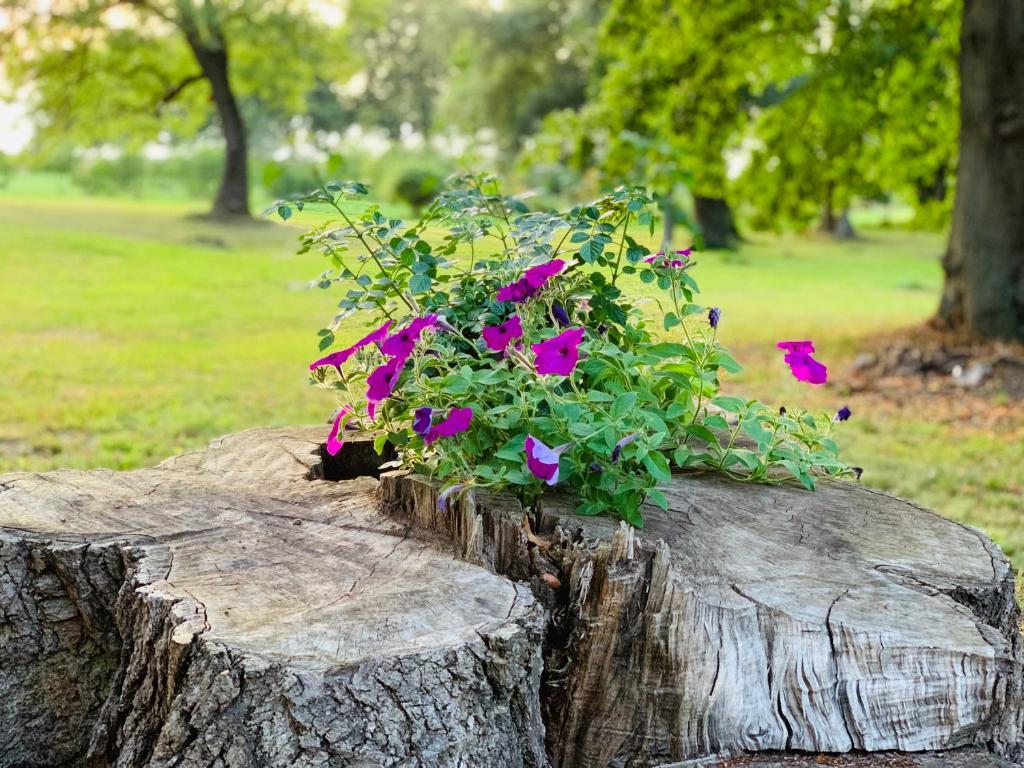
{"x":654,"y":496}
{"x":378,"y":443}
{"x":326,"y":339}
{"x":623,"y":404}
{"x":420,"y":284}
{"x":730,"y":404}
{"x":658,"y":466}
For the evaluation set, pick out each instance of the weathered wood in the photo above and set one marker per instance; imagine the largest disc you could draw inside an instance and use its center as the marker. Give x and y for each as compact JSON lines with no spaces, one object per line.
{"x":233,"y":608}
{"x":756,"y":619}
{"x":224,"y":610}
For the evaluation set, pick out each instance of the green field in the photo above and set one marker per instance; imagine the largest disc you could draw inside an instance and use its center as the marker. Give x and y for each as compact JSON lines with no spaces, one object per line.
{"x":130,"y":332}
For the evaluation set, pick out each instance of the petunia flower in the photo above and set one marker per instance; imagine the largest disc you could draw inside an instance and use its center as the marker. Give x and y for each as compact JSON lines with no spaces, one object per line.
{"x":617,"y":450}
{"x":516,"y":292}
{"x":558,"y":356}
{"x":500,"y":336}
{"x":561,"y":316}
{"x":843,"y":413}
{"x":539,"y":275}
{"x":337,"y":358}
{"x":422,"y":420}
{"x":714,"y":315}
{"x":442,"y":498}
{"x":804,"y":367}
{"x":336,"y":438}
{"x":381,"y":383}
{"x":541,"y":460}
{"x":402,"y":342}
{"x":458,"y":421}
{"x":660,"y":259}
{"x":858,"y":471}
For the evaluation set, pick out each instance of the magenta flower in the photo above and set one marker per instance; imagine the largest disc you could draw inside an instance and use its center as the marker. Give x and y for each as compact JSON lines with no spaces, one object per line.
{"x":381,"y":383}
{"x":500,"y":336}
{"x":337,"y":358}
{"x":539,"y":275}
{"x":336,"y":438}
{"x":401,"y":343}
{"x":804,"y":367}
{"x":541,"y":460}
{"x":531,"y":282}
{"x":617,"y":450}
{"x":558,"y":356}
{"x":516,"y":292}
{"x":421,"y":420}
{"x":660,"y":259}
{"x":458,"y":421}
{"x":844,"y":413}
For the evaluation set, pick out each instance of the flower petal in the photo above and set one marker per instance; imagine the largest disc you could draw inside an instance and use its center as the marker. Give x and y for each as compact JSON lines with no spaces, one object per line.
{"x":558,"y":356}
{"x":458,"y":421}
{"x":336,"y":438}
{"x":337,"y":358}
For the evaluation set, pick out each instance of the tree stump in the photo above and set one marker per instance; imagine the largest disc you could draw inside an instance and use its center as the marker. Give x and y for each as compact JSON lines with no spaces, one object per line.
{"x":255,"y":604}
{"x":752,"y":618}
{"x":223,"y":610}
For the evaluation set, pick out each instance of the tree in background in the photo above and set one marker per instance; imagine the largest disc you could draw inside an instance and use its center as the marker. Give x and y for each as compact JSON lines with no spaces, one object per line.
{"x":122,"y":71}
{"x":867,"y":114}
{"x":984,"y":266}
{"x":511,"y":67}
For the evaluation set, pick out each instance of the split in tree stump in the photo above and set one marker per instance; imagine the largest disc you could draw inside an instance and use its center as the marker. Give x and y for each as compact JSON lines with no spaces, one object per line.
{"x":232,"y":607}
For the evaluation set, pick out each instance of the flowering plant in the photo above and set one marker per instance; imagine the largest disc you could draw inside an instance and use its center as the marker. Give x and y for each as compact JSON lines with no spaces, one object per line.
{"x":503,"y":352}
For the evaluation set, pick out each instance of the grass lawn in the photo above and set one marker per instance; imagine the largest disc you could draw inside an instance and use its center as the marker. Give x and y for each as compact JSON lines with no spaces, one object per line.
{"x":130,"y":332}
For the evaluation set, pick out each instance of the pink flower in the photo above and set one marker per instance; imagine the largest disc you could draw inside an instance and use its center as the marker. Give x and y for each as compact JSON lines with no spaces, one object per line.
{"x":804,"y":367}
{"x":661,"y":260}
{"x":337,"y":358}
{"x":541,"y":460}
{"x":539,"y":275}
{"x":458,"y":421}
{"x":401,"y":343}
{"x":381,"y":383}
{"x":558,"y":356}
{"x":531,"y":282}
{"x":336,"y":438}
{"x":500,"y":336}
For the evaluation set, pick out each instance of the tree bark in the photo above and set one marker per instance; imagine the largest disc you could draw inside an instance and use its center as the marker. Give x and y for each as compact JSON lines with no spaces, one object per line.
{"x":714,"y":217}
{"x":232,"y":199}
{"x":235,"y":607}
{"x":984,"y":264}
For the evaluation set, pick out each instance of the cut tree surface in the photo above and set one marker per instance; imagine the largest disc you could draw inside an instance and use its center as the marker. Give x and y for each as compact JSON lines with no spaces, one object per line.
{"x":232,"y":607}
{"x":757,"y":618}
{"x":224,"y":610}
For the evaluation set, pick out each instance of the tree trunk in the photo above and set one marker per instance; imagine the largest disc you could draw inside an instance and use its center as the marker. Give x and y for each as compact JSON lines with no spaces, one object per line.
{"x":233,"y":194}
{"x":714,"y":217}
{"x":984,"y":264}
{"x":238,"y":607}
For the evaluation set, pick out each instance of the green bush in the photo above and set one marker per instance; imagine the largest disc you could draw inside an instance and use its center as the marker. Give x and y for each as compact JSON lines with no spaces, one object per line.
{"x":118,"y":176}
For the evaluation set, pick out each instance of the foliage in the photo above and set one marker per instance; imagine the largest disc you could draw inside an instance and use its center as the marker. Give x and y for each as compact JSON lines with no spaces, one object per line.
{"x":631,"y":409}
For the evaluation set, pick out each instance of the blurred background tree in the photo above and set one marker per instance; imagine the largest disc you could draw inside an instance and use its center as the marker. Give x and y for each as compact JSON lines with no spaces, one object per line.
{"x":123,"y":71}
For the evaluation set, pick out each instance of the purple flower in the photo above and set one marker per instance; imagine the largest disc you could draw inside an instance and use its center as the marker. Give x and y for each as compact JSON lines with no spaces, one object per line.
{"x":541,"y":460}
{"x":661,"y":260}
{"x":442,"y":499}
{"x":782,"y":410}
{"x":381,"y":383}
{"x":336,"y":438}
{"x":558,"y":356}
{"x":858,"y":471}
{"x":500,"y":336}
{"x":516,"y":292}
{"x":617,"y":450}
{"x":843,"y":413}
{"x":804,"y":367}
{"x":531,"y":282}
{"x":421,"y":420}
{"x":458,"y":421}
{"x":539,"y":275}
{"x":337,"y":358}
{"x":402,"y":342}
{"x":714,"y":314}
{"x":596,"y":468}
{"x":561,"y":316}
